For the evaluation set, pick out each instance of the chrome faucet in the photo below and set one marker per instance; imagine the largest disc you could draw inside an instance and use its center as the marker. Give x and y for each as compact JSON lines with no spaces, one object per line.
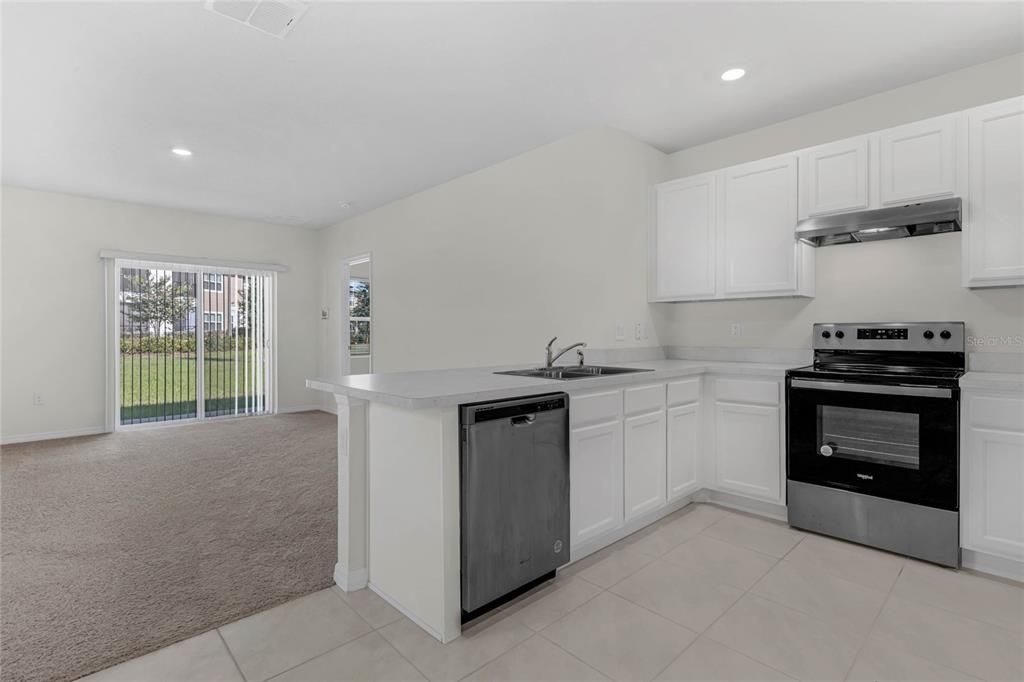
{"x":552,"y":356}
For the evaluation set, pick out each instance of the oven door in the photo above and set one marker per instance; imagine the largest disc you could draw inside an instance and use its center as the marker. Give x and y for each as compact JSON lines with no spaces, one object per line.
{"x":897,"y":442}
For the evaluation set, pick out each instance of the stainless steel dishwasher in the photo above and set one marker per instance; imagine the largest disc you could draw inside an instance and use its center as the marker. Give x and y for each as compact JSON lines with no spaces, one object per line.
{"x":515,"y":496}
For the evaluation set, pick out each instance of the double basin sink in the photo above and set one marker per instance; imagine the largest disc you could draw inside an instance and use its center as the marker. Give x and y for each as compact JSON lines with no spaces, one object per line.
{"x":568,"y":373}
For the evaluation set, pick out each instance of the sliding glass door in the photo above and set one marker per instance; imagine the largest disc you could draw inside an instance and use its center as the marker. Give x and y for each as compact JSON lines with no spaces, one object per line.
{"x":195,"y":343}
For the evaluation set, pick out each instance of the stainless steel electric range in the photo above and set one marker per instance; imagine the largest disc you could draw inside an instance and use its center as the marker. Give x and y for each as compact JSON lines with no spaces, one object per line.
{"x":872,"y":432}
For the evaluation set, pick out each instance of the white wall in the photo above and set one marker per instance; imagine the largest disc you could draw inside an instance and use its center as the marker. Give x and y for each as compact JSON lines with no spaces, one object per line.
{"x":53,"y":305}
{"x":486,"y":268}
{"x":907,"y":279}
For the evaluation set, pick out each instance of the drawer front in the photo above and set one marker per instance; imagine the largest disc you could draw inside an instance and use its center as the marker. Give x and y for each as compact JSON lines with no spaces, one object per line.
{"x":645,"y":399}
{"x":747,"y":391}
{"x":991,"y":412}
{"x":684,"y":392}
{"x":594,"y":408}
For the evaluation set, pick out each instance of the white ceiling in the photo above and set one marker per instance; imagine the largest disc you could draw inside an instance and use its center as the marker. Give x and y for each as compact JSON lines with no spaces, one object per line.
{"x":366,"y":103}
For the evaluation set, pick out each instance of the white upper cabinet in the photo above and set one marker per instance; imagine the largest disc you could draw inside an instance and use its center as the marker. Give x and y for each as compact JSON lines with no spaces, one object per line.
{"x":682,"y":241}
{"x":759,"y":249}
{"x":918,"y":161}
{"x":994,"y":213}
{"x":834,"y":178}
{"x":731,"y":234}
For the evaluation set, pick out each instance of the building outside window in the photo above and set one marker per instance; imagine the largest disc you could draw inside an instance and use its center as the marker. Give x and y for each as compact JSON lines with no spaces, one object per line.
{"x":213,"y":321}
{"x":213,"y":282}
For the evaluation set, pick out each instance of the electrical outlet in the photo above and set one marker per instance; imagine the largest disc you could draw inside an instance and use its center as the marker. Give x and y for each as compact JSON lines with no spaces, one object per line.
{"x":638,"y":331}
{"x":735,"y":329}
{"x":620,"y":331}
{"x":38,"y":400}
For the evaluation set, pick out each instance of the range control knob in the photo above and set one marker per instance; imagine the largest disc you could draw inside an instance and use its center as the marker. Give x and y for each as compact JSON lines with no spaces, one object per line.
{"x":825,"y":334}
{"x":840,"y":334}
{"x":827,"y":449}
{"x":928,"y":334}
{"x":945,"y":334}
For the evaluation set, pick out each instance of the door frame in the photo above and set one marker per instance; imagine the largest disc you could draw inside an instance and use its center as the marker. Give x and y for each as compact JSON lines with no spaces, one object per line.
{"x":113,"y":261}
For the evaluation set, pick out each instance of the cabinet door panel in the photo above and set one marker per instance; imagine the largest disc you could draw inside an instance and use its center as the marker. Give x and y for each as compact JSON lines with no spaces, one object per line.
{"x":645,"y":463}
{"x":918,"y":161}
{"x":834,"y":177}
{"x":994,"y":227}
{"x":748,"y":450}
{"x":683,"y":450}
{"x":993,"y":505}
{"x":595,"y":475}
{"x":683,"y":256}
{"x":758,"y":229}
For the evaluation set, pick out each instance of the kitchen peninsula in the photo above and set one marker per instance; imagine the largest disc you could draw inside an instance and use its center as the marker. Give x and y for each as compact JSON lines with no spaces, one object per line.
{"x":639,"y":445}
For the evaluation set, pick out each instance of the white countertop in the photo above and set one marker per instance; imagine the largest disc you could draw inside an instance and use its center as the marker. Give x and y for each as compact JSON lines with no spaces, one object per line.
{"x":450,"y":387}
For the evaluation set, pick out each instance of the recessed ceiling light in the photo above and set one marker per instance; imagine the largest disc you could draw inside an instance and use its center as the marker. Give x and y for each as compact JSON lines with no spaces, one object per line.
{"x":733,"y":74}
{"x":181,"y":151}
{"x":345,"y":205}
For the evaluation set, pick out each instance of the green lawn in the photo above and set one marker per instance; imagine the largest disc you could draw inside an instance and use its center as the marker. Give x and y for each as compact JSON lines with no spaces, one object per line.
{"x":156,"y":386}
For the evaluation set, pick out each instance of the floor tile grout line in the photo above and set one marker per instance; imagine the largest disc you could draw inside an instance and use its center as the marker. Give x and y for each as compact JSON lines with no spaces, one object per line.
{"x":705,"y":631}
{"x":324,"y":653}
{"x":891,"y":595}
{"x":955,"y":613}
{"x":874,"y":621}
{"x":749,"y":549}
{"x":401,"y":655}
{"x":231,"y":654}
{"x":536,"y":633}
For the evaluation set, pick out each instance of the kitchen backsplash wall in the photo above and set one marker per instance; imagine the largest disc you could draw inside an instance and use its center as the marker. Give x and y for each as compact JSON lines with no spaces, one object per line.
{"x":903,"y":279}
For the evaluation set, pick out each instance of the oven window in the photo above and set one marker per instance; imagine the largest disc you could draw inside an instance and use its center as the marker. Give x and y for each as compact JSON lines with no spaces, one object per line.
{"x":880,"y":437}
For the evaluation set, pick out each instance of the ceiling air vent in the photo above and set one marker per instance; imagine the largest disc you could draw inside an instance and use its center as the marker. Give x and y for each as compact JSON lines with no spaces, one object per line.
{"x":276,"y":17}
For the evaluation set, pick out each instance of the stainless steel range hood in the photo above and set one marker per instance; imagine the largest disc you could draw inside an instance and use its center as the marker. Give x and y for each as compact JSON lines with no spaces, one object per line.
{"x":913,"y":220}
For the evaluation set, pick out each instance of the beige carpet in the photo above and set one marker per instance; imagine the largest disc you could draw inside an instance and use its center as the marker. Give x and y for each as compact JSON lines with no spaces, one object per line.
{"x":116,"y":545}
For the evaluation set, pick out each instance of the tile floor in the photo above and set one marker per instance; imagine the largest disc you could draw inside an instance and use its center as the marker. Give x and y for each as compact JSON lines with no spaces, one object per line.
{"x":705,"y":594}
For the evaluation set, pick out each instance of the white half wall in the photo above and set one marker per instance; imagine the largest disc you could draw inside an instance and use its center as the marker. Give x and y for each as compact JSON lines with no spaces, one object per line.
{"x":53,"y":306}
{"x":903,"y":279}
{"x":485,"y":269}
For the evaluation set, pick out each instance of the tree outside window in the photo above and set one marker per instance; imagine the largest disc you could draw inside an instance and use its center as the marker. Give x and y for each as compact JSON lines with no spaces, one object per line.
{"x":359,"y":316}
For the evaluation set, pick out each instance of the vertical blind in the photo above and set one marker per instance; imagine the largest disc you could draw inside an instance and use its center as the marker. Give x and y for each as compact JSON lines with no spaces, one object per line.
{"x":196,"y":341}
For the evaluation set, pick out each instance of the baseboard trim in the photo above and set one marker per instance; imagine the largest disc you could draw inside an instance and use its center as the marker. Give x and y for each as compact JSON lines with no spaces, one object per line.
{"x":350,"y":581}
{"x":992,"y":564}
{"x":316,"y":407}
{"x":408,"y":614}
{"x":595,"y":544}
{"x":769,"y":510}
{"x":52,"y":435}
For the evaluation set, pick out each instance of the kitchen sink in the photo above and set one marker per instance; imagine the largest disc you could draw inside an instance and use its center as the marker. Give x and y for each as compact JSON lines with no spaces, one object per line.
{"x":569,"y":372}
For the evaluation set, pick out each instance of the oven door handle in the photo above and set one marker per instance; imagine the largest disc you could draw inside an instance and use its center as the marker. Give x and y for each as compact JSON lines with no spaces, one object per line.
{"x":880,"y":389}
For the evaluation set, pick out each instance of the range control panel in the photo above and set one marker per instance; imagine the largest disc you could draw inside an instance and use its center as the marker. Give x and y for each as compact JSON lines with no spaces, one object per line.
{"x":904,"y":336}
{"x":882,"y":332}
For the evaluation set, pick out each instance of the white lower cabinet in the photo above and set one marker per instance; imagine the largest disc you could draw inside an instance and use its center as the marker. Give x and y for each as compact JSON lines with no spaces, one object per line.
{"x":992,"y":474}
{"x":595,"y":480}
{"x":748,"y":444}
{"x":645,"y":463}
{"x":683,"y":447}
{"x":636,"y":450}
